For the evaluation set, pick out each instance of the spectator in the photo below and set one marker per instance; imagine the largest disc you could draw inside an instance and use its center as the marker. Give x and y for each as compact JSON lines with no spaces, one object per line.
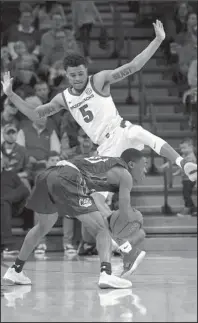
{"x":71,"y":128}
{"x":186,"y":36}
{"x":64,"y":41}
{"x":188,"y":53}
{"x":84,"y":16}
{"x":39,"y":138}
{"x":42,"y":91}
{"x":48,"y":39}
{"x":24,"y":32}
{"x":13,"y":198}
{"x":66,"y":151}
{"x":5,"y":60}
{"x":187,"y":152}
{"x":41,"y":13}
{"x":86,"y":147}
{"x":52,"y":160}
{"x":15,"y":156}
{"x":173,"y":26}
{"x":190,"y":96}
{"x":24,"y":66}
{"x":118,"y":29}
{"x":9,"y":115}
{"x":57,"y":78}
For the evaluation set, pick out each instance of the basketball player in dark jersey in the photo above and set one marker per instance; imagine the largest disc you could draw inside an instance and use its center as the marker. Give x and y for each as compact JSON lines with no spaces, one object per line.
{"x":62,"y":190}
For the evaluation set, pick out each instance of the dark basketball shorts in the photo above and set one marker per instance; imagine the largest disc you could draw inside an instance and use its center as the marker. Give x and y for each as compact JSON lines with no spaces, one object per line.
{"x":61,"y":189}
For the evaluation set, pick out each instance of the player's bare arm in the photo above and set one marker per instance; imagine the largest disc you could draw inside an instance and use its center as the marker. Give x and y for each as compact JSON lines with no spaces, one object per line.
{"x":105,"y":78}
{"x":54,"y":106}
{"x":121,"y":177}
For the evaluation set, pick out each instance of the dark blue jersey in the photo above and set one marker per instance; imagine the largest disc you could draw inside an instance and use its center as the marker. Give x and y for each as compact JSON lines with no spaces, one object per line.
{"x":95,"y":169}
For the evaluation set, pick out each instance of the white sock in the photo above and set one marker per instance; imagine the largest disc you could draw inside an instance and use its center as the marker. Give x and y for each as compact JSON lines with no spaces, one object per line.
{"x":178,"y":161}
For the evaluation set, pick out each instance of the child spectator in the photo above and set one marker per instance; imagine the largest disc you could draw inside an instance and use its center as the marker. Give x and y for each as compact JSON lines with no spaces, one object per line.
{"x":187,"y":152}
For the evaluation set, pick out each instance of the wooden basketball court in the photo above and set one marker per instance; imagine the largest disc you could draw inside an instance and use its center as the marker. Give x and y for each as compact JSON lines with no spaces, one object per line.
{"x":64,"y":290}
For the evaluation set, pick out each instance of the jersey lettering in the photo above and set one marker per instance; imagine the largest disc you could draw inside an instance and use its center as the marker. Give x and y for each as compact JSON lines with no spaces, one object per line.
{"x":87,"y":114}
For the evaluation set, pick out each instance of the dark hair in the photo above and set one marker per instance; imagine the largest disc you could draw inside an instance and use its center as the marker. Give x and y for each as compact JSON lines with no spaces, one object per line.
{"x":74,"y":60}
{"x":188,"y":141}
{"x":190,"y":14}
{"x":53,"y":153}
{"x":131,"y":154}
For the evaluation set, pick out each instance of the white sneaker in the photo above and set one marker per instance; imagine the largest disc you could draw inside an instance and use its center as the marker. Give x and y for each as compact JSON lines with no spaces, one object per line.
{"x":70,"y":249}
{"x":11,"y":276}
{"x":40,"y":249}
{"x":111,"y":281}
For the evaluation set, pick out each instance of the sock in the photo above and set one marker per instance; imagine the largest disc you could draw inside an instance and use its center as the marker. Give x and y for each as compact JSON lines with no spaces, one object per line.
{"x":106,"y":266}
{"x":18,"y":265}
{"x":170,"y":153}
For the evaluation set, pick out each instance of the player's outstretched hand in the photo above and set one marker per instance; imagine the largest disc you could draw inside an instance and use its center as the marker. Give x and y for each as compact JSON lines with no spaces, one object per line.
{"x":7,"y":83}
{"x":159,"y":30}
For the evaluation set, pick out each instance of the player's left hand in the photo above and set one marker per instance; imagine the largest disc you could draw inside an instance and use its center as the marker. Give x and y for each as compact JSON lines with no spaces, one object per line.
{"x":159,"y":30}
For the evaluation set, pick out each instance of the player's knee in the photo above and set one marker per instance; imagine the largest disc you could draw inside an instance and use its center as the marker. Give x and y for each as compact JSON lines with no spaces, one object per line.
{"x":135,"y":131}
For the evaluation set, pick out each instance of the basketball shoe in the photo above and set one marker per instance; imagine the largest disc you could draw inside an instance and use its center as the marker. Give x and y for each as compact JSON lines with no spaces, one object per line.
{"x":111,"y":281}
{"x":131,"y":261}
{"x":11,"y":277}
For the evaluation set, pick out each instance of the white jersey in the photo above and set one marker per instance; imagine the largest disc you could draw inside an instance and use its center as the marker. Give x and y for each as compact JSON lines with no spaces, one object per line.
{"x":95,"y":113}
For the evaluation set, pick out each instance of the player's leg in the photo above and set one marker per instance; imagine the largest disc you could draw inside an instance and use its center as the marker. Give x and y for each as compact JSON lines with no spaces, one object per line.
{"x":88,"y":243}
{"x":162,"y":148}
{"x":95,"y":225}
{"x":14,"y":274}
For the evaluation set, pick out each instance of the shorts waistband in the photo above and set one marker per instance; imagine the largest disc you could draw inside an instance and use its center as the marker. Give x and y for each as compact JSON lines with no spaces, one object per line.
{"x":107,"y":135}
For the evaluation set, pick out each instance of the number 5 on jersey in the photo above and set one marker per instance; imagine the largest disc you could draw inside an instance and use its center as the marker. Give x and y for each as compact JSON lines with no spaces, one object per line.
{"x":87,"y":114}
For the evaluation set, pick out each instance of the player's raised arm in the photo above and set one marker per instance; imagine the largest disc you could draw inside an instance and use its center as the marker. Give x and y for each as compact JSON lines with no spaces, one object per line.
{"x":113,"y":76}
{"x":54,"y":106}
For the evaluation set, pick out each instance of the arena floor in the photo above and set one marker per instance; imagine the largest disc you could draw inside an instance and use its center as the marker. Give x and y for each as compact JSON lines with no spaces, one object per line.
{"x":164,"y":290}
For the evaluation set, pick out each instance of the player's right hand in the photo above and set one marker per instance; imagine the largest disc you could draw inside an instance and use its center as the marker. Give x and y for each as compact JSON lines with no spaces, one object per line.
{"x":7,"y":84}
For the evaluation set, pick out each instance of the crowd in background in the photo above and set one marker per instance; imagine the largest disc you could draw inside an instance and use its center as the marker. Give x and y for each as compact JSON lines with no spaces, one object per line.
{"x":32,"y":49}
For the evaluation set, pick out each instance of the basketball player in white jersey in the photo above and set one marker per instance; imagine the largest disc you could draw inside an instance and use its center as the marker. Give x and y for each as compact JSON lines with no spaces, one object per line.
{"x":89,"y":101}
